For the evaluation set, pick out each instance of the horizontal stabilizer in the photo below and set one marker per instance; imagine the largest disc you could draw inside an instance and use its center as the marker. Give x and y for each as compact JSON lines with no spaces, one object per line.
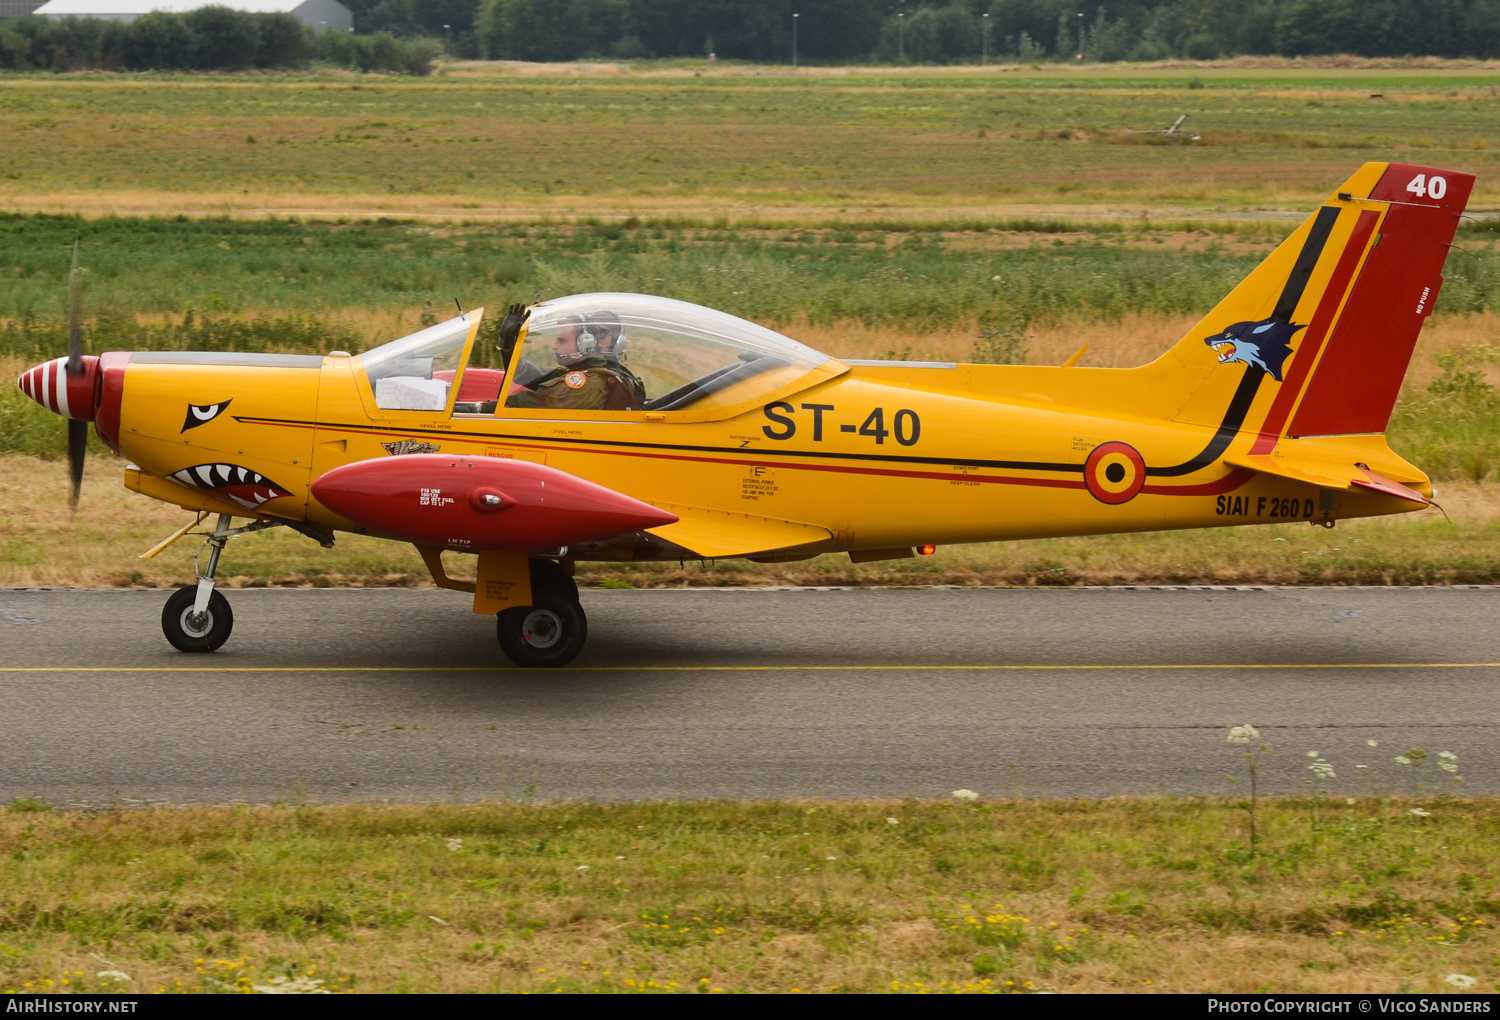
{"x":715,"y":533}
{"x":1351,"y":477}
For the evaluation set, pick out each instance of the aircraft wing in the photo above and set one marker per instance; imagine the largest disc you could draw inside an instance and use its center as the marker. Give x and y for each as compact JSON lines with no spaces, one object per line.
{"x":715,"y":533}
{"x":1350,"y":477}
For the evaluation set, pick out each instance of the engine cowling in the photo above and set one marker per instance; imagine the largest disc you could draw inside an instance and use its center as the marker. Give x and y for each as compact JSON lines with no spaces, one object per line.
{"x":476,"y":503}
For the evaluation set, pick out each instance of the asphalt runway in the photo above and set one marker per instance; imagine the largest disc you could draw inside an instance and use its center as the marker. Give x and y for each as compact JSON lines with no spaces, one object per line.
{"x":397,"y":694}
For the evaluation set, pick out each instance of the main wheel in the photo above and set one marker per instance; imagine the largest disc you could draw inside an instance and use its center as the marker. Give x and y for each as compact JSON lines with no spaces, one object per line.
{"x":203,"y":635}
{"x":548,"y":633}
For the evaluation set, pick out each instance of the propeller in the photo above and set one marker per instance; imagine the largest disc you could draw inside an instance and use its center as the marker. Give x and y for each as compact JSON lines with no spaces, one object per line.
{"x":78,"y":431}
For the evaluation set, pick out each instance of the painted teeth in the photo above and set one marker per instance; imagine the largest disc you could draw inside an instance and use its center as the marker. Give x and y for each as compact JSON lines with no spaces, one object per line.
{"x":217,"y":477}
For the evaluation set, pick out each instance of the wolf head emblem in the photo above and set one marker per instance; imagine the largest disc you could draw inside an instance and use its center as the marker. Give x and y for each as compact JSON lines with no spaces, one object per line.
{"x":1264,"y":344}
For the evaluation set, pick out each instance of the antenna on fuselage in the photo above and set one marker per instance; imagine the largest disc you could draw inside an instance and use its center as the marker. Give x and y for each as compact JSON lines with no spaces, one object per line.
{"x":460,"y":308}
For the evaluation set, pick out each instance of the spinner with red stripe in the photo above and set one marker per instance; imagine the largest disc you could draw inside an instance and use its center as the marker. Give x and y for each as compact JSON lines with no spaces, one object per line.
{"x":1114,"y":473}
{"x":68,"y":394}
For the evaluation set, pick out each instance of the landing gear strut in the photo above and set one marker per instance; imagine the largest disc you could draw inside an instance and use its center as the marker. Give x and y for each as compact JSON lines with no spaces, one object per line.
{"x":549,"y":632}
{"x":199,"y":619}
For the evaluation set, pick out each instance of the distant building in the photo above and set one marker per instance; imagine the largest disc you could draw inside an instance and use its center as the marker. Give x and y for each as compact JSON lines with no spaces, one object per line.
{"x":16,"y":8}
{"x":320,"y":14}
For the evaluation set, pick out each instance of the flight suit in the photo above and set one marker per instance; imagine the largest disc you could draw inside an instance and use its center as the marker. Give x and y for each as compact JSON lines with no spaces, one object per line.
{"x":588,"y":385}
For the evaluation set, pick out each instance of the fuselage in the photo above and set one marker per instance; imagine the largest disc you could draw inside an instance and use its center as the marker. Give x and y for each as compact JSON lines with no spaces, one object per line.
{"x":869,"y":457}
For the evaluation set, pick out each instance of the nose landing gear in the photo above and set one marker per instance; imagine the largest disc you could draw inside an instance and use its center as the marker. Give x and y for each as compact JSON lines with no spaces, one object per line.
{"x":199,"y":619}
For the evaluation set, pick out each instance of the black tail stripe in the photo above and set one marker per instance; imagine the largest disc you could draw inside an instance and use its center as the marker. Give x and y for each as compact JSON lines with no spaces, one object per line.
{"x":1312,"y":250}
{"x":1239,"y":406}
{"x":1244,"y":394}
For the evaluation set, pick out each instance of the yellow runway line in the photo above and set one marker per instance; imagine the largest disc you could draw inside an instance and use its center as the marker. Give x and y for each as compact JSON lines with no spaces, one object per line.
{"x":736,"y":669}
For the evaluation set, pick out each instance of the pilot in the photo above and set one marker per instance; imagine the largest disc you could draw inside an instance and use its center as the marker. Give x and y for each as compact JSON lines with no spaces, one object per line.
{"x":589,"y":376}
{"x":612,"y":342}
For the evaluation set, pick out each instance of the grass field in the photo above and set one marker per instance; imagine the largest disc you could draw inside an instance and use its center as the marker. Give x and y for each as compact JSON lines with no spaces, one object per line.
{"x":1359,"y":894}
{"x":499,"y":141}
{"x":898,"y":277}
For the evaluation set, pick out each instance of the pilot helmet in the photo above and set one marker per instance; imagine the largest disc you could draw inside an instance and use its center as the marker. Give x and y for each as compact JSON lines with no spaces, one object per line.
{"x":608,"y":336}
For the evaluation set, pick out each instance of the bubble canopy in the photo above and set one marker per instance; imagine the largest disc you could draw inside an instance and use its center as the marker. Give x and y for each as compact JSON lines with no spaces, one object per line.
{"x":687,"y":356}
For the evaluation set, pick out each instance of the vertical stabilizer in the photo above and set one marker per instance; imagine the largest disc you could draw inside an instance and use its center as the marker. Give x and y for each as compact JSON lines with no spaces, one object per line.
{"x":1316,"y":340}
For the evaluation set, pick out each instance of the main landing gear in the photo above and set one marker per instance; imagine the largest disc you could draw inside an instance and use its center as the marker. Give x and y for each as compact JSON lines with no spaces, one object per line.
{"x":551,"y":631}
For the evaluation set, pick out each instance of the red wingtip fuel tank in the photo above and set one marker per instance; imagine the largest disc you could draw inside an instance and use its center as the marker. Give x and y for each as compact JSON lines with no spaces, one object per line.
{"x":475,"y":503}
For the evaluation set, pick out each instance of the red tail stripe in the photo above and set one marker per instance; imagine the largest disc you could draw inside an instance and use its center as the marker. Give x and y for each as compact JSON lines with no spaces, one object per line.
{"x":1312,"y":343}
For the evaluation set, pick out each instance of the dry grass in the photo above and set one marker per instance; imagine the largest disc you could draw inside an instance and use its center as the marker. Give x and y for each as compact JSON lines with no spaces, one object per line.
{"x":1120,"y":895}
{"x":501,"y":141}
{"x":998,"y":69}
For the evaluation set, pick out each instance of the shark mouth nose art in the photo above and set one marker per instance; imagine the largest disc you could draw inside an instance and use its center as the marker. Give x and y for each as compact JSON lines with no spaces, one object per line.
{"x":229,"y":481}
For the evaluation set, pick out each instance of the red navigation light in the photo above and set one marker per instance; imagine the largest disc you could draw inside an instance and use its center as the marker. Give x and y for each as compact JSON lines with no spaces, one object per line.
{"x":926,"y":550}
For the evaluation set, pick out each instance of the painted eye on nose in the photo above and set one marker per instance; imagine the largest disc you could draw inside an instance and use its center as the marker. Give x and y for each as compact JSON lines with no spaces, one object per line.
{"x":202,"y":414}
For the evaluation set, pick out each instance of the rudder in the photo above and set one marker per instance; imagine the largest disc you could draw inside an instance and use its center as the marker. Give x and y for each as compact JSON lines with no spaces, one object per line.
{"x":1359,"y":370}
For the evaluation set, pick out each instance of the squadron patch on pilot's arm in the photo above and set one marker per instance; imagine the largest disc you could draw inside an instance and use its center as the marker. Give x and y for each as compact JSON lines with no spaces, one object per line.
{"x":575,"y":380}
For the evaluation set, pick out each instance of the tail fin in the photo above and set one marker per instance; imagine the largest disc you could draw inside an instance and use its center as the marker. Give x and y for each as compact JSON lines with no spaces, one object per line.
{"x":1325,"y":327}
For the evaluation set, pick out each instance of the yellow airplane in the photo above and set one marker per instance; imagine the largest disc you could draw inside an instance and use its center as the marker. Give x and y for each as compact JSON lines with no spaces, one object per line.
{"x":714,"y":437}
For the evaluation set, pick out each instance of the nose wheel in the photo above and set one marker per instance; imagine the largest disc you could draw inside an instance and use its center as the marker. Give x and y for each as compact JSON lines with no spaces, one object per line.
{"x":191,"y":631}
{"x":199,"y":619}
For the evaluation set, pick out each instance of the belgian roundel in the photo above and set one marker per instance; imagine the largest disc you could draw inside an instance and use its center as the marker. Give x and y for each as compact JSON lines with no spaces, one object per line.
{"x":1114,"y":473}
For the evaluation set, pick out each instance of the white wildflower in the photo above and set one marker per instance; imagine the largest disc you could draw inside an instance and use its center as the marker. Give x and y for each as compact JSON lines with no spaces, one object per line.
{"x":893,"y":821}
{"x":582,"y":867}
{"x":965,"y":795}
{"x":1312,"y":754}
{"x":1449,"y":755}
{"x":1243,"y":734}
{"x":112,"y":975}
{"x":833,"y":858}
{"x":455,"y":845}
{"x":1361,"y":767}
{"x":1372,"y":743}
{"x":1349,"y":801}
{"x":294,"y":986}
{"x":1448,"y":766}
{"x":1402,"y":759}
{"x":1420,"y":813}
{"x":1460,"y":981}
{"x":620,"y":858}
{"x":1322,"y":769}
